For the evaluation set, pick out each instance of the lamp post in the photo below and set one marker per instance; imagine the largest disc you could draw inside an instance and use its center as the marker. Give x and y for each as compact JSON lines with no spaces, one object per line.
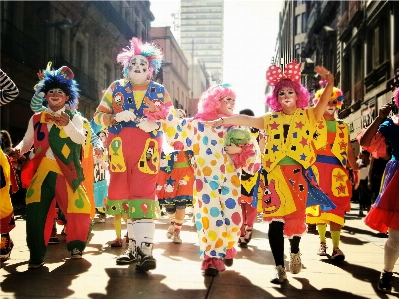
{"x":62,"y":24}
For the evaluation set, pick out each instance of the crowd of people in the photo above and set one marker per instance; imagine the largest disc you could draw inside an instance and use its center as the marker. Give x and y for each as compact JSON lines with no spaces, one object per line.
{"x":292,"y":165}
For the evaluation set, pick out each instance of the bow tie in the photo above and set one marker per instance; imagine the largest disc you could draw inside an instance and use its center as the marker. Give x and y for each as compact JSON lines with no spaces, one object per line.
{"x":48,"y":118}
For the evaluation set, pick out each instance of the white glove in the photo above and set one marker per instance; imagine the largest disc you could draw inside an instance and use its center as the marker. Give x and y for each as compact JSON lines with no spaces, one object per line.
{"x":125,"y":116}
{"x":148,"y":126}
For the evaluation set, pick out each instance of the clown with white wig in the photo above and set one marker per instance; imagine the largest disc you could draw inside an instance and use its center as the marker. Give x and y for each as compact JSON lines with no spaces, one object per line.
{"x":134,"y":147}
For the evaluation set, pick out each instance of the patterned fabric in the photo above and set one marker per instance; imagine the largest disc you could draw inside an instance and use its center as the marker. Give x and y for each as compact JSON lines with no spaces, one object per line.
{"x":217,"y":184}
{"x":331,"y":172}
{"x":8,"y":89}
{"x":7,"y":222}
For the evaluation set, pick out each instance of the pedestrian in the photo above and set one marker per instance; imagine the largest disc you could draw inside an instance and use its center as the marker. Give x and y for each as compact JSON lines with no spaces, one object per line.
{"x":384,"y":214}
{"x":363,"y":163}
{"x":249,"y":191}
{"x":55,"y":173}
{"x":334,"y":156}
{"x":134,"y":149}
{"x":175,"y":186}
{"x":290,"y":184}
{"x":8,"y":92}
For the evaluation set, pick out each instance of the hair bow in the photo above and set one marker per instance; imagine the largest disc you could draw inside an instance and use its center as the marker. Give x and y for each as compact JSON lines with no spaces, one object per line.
{"x":292,"y":72}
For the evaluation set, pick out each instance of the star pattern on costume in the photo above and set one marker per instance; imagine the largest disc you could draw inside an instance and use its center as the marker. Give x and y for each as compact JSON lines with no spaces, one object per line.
{"x":299,"y":125}
{"x":268,"y":163}
{"x":341,"y":189}
{"x":339,"y":177}
{"x":186,"y":178}
{"x":274,"y":126}
{"x":303,"y":157}
{"x":304,"y":142}
{"x":168,"y":157}
{"x":342,"y":145}
{"x":274,"y":148}
{"x":170,"y":181}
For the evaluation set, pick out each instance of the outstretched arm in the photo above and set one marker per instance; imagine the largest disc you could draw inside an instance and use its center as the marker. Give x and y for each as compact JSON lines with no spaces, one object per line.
{"x":370,"y":132}
{"x":8,"y":89}
{"x":238,"y":120}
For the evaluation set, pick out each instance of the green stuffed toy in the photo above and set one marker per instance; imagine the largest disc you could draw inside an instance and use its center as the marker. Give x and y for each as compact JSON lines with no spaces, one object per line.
{"x":238,"y":137}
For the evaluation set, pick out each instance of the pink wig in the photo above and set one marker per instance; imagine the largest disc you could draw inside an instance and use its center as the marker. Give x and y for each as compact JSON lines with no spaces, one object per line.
{"x":302,"y":94}
{"x":148,"y":50}
{"x":209,"y":102}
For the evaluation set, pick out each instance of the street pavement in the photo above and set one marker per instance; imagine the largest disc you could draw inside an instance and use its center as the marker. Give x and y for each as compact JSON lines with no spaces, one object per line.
{"x":178,"y":273}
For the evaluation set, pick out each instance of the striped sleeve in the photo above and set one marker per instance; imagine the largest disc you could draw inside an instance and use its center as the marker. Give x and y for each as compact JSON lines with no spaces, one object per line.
{"x":103,"y":113}
{"x":8,"y":89}
{"x":36,"y":104}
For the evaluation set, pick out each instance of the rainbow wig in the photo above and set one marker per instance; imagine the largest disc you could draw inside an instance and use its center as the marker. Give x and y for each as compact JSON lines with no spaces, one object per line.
{"x":148,"y":50}
{"x":302,"y":94}
{"x":62,"y":79}
{"x":336,"y":95}
{"x":209,"y":103}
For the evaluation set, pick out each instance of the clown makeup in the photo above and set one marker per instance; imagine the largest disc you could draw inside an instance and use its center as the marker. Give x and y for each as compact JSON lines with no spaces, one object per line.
{"x":287,"y":97}
{"x":138,"y":69}
{"x":331,"y":107}
{"x":56,"y":98}
{"x":227,"y":106}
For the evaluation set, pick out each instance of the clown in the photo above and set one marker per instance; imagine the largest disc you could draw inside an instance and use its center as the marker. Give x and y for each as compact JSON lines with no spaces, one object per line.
{"x":287,"y":160}
{"x":384,"y":214}
{"x":8,"y":92}
{"x":217,"y":183}
{"x":55,"y":172}
{"x":333,"y":150}
{"x":134,"y":148}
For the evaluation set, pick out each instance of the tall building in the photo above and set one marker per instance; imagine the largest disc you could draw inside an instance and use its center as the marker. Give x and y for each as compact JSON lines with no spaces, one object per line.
{"x":201,"y":34}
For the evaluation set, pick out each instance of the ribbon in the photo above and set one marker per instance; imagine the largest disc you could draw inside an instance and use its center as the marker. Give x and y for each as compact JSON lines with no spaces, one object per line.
{"x":292,"y":72}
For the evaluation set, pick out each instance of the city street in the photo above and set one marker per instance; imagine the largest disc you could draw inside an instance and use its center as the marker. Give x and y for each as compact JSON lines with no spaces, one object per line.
{"x":178,"y":273}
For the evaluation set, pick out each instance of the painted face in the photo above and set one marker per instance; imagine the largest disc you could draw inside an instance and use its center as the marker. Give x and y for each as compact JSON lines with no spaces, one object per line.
{"x":56,"y":98}
{"x":287,"y":97}
{"x":331,"y":107}
{"x":227,"y":106}
{"x":138,"y":69}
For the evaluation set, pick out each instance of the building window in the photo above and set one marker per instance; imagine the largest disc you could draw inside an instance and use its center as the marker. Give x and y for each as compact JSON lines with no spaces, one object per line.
{"x":377,"y":46}
{"x":107,"y":76}
{"x":79,"y":55}
{"x":298,"y":24}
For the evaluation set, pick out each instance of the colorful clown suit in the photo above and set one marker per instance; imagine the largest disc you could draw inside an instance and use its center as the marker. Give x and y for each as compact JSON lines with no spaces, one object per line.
{"x":287,"y":181}
{"x":56,"y":173}
{"x":134,"y":154}
{"x":217,"y":184}
{"x":7,"y":223}
{"x":331,"y":141}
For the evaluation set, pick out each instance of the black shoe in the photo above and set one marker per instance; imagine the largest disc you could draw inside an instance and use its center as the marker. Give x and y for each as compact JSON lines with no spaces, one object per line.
{"x":228,"y":262}
{"x":128,"y":257}
{"x":6,"y":246}
{"x":35,"y":265}
{"x":211,"y":272}
{"x":385,"y":282}
{"x":242,"y":243}
{"x":145,"y":260}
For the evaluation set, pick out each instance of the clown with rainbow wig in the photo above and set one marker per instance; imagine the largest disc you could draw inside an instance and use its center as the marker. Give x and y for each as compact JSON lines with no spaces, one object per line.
{"x":384,"y":214}
{"x":55,"y":173}
{"x":134,"y":147}
{"x":334,"y":155}
{"x":217,"y":169}
{"x":288,"y":180}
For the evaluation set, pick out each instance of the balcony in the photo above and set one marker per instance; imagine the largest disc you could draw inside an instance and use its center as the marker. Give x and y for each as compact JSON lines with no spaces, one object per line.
{"x":355,"y":12}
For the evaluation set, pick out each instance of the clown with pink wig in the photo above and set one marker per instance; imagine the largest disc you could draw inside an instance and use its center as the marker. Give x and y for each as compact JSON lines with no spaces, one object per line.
{"x":384,"y":214}
{"x":334,"y":156}
{"x":289,"y":183}
{"x":134,"y":147}
{"x":218,"y":158}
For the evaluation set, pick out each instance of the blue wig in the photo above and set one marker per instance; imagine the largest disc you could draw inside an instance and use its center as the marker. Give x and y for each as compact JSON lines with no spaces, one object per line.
{"x":62,"y":79}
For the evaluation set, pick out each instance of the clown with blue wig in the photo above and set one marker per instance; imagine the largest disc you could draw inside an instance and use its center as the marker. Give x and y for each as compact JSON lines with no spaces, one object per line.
{"x":334,"y":156}
{"x":134,"y":147}
{"x":55,"y":173}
